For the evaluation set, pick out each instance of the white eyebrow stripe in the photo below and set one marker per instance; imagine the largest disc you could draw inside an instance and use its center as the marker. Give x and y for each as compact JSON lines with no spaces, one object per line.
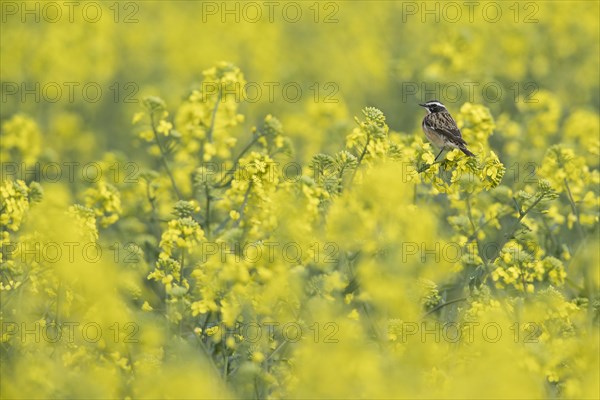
{"x":436,"y":103}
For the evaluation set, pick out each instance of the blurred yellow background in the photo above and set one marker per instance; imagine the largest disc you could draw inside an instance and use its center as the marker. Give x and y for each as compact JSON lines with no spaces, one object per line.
{"x":149,"y":304}
{"x":341,"y":55}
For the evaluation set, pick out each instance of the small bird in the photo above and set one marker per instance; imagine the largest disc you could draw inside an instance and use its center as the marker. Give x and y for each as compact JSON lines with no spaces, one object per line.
{"x":441,"y":129}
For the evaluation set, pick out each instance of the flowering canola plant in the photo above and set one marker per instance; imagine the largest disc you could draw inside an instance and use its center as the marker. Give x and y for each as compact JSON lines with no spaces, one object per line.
{"x":215,"y":261}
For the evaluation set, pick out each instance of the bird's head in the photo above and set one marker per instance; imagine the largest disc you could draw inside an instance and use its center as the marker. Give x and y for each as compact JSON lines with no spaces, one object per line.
{"x":434,"y":106}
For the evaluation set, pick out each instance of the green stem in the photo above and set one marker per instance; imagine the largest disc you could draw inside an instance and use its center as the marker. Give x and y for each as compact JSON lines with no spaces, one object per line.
{"x":164,"y":157}
{"x":415,"y":193}
{"x":372,"y":324}
{"x":209,"y":133}
{"x":207,"y":219}
{"x":58,"y":302}
{"x":436,"y":308}
{"x":205,"y":324}
{"x":154,"y":217}
{"x":241,"y":211}
{"x":475,"y":229}
{"x":225,"y":364}
{"x":209,"y":356}
{"x":550,"y":234}
{"x":281,"y":345}
{"x":424,"y":168}
{"x":243,"y":206}
{"x":360,"y":158}
{"x":506,"y":237}
{"x":574,"y":209}
{"x":515,"y":226}
{"x":230,"y":172}
{"x":340,"y":176}
{"x":181,"y":267}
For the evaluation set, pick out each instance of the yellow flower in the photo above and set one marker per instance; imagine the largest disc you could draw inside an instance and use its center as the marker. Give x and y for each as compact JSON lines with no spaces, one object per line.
{"x":137,"y":117}
{"x":164,"y":127}
{"x":258,"y":357}
{"x":21,"y":140}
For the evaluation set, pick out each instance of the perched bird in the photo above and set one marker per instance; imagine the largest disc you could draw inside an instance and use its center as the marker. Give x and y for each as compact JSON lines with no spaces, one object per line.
{"x":441,"y":129}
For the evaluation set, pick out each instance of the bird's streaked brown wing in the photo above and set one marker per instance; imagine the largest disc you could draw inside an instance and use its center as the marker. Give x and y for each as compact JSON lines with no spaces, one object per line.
{"x":444,"y":124}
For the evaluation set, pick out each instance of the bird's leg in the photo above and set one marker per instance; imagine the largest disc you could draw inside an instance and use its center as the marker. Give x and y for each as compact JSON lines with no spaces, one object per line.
{"x":440,"y":153}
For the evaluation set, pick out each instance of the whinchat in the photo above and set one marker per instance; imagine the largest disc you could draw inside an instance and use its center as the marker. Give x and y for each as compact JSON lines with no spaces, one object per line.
{"x":441,"y":129}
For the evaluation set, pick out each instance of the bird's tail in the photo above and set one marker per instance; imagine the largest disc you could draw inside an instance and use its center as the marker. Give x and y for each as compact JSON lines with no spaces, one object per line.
{"x":466,"y":151}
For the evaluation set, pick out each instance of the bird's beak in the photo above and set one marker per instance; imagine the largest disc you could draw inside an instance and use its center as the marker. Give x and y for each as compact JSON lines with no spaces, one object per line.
{"x":422,"y":105}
